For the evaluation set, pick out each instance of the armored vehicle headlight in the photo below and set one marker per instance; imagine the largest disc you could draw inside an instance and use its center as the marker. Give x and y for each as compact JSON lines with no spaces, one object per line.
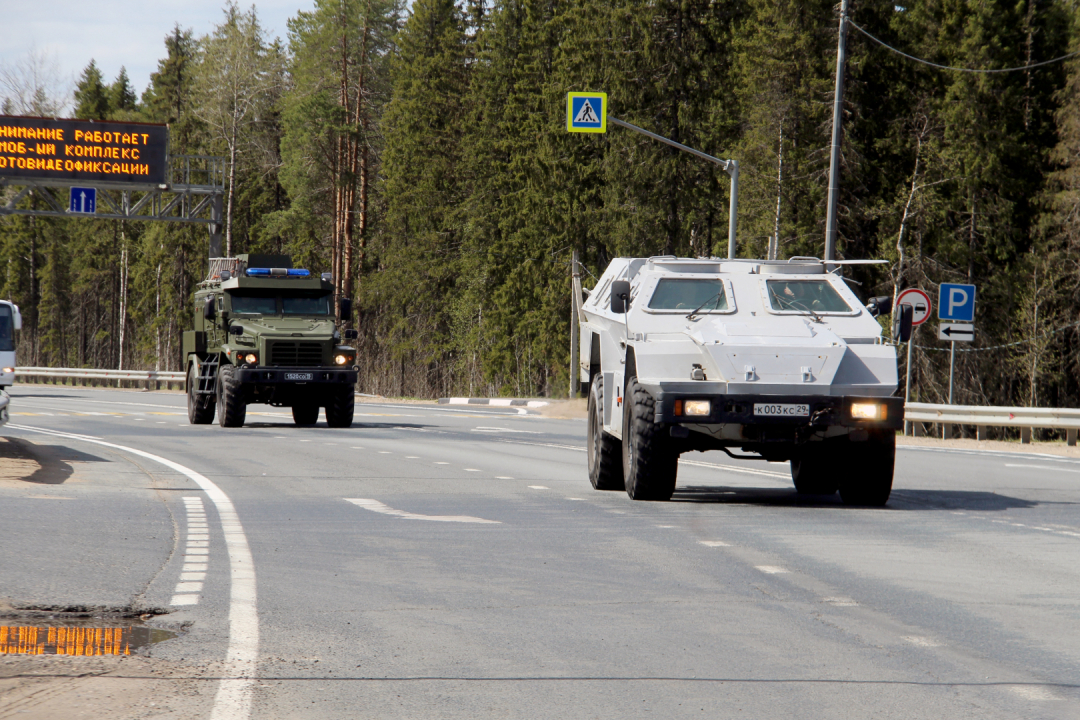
{"x":9,"y":370}
{"x":341,"y":359}
{"x":251,"y":358}
{"x":867,"y":411}
{"x":696,"y":407}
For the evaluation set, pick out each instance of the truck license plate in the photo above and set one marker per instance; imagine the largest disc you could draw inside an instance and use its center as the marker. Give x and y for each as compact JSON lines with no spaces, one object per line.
{"x":298,"y":376}
{"x":781,"y":410}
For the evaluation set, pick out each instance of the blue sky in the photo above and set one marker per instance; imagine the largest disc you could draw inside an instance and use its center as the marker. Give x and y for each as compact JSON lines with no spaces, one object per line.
{"x":118,"y":33}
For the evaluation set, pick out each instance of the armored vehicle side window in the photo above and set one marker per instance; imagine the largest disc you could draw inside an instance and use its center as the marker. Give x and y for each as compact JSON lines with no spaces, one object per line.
{"x":688,"y":294}
{"x":805,"y":295}
{"x":307,"y":305}
{"x":7,"y":340}
{"x":254,"y":304}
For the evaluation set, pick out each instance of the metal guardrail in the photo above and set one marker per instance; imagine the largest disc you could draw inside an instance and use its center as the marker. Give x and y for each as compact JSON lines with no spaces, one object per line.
{"x":982,"y":417}
{"x":149,"y":377}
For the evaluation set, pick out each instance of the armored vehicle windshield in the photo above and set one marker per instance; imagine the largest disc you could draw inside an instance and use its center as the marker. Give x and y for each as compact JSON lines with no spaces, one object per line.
{"x":263,"y":303}
{"x":803,"y":295}
{"x":689,"y":293}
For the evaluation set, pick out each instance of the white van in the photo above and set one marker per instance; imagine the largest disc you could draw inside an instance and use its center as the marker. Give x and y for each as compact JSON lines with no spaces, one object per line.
{"x":10,"y":321}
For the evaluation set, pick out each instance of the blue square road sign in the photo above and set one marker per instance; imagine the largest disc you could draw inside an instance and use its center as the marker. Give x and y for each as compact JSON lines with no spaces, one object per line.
{"x":586,"y":112}
{"x":956,"y":302}
{"x":83,"y":200}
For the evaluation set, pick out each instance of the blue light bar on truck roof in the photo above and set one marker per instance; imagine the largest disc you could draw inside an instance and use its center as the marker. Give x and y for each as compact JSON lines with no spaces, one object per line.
{"x":276,"y":272}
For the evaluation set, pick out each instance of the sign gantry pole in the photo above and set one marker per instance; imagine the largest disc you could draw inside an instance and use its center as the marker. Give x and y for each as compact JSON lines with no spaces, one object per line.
{"x":834,"y":159}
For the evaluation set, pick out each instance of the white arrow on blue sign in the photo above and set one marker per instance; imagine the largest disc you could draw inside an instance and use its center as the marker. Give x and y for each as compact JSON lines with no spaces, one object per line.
{"x":83,"y":200}
{"x":956,"y":302}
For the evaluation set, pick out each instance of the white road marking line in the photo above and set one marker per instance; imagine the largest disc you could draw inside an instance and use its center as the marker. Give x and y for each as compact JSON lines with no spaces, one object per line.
{"x":665,"y":526}
{"x":199,"y":536}
{"x":503,"y":477}
{"x":233,"y":699}
{"x":506,"y":430}
{"x":736,"y":469}
{"x":840,"y":601}
{"x":356,"y":447}
{"x":188,"y":600}
{"x":159,"y":422}
{"x":194,"y":567}
{"x":1033,"y":692}
{"x":189,"y":551}
{"x":197,"y":543}
{"x":412,"y":457}
{"x":922,"y":641}
{"x":385,"y":452}
{"x":471,"y":470}
{"x":714,"y":543}
{"x":771,"y":569}
{"x":376,"y":506}
{"x":570,"y":498}
{"x":186,"y":587}
{"x":188,"y":576}
{"x":440,"y":463}
{"x":539,"y":487}
{"x":1042,"y":467}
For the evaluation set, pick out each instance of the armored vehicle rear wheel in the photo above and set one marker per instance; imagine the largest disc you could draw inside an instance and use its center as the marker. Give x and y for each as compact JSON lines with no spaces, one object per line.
{"x":868,"y":472}
{"x":812,"y":471}
{"x":305,"y":414}
{"x":339,"y":410}
{"x":232,"y":410}
{"x":605,"y":451}
{"x":200,"y":408}
{"x":650,"y":464}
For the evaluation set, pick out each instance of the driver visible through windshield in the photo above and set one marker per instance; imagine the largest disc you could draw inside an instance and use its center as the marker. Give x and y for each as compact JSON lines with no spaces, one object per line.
{"x":815,"y":296}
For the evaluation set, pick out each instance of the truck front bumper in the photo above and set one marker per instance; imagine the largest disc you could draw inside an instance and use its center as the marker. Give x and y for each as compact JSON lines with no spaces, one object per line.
{"x":821,"y":410}
{"x":296,"y":376}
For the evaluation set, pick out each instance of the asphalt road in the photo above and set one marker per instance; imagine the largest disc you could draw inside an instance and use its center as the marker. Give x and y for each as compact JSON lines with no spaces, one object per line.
{"x":435,"y":562}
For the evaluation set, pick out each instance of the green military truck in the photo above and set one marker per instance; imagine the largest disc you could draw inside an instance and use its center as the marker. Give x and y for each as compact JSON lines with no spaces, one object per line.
{"x":266,"y":332}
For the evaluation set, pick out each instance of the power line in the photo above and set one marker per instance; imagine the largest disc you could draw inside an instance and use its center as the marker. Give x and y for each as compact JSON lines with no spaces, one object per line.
{"x":998,"y":347}
{"x":960,"y":69}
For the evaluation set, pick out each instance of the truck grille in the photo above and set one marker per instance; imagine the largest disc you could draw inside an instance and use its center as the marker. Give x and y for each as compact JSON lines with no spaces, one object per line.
{"x":296,"y":353}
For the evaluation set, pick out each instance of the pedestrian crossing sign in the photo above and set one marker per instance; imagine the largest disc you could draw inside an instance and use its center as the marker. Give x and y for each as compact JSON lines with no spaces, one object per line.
{"x":586,"y":112}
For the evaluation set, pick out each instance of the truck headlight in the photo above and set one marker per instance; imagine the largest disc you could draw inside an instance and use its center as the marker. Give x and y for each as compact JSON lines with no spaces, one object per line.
{"x":251,"y":358}
{"x":341,"y":359}
{"x":9,"y":370}
{"x":867,"y":411}
{"x":696,"y":407}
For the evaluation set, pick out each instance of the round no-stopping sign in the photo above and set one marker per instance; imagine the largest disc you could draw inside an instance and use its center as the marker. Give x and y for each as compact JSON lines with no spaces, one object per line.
{"x":920,"y":303}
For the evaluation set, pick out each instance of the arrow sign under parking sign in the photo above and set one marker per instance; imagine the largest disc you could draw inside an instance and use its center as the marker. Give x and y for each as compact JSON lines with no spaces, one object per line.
{"x":956,"y":332}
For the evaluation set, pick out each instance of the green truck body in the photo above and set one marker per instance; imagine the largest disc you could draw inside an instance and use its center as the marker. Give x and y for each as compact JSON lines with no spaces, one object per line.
{"x":266,"y":333}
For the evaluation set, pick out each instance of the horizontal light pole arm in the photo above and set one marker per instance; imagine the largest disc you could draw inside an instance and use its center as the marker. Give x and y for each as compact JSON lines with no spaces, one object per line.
{"x":726,"y":164}
{"x":731,"y":167}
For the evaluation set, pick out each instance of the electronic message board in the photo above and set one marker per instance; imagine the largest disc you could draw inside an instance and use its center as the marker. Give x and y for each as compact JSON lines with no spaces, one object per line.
{"x":82,"y":150}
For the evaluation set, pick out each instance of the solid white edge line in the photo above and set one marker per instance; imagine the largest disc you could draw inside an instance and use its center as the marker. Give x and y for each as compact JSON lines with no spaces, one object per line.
{"x":233,"y":699}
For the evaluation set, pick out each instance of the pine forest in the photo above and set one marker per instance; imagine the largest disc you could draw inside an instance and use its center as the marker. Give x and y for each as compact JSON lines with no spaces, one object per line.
{"x":420,"y":154}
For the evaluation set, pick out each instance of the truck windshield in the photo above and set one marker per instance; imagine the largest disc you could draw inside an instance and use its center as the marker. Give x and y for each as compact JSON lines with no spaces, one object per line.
{"x":306,"y":305}
{"x":254,"y":304}
{"x":805,"y":296}
{"x":7,"y":338}
{"x":688,"y":294}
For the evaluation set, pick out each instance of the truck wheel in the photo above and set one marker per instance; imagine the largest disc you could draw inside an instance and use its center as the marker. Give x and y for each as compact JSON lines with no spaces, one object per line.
{"x":650,"y":464}
{"x":339,"y":411}
{"x":868,"y":475}
{"x":605,"y":451}
{"x":200,"y":408}
{"x":812,"y":472}
{"x":230,"y":400}
{"x":305,"y":414}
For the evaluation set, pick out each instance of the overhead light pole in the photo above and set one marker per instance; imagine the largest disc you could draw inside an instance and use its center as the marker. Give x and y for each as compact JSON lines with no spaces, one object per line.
{"x":834,"y":158}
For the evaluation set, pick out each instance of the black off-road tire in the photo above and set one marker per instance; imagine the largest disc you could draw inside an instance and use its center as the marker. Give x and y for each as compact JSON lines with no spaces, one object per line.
{"x":650,"y":463}
{"x":305,"y":414}
{"x":339,"y":410}
{"x":868,"y":472}
{"x":232,"y":410}
{"x":200,"y":408}
{"x":605,"y":451}
{"x":814,"y":472}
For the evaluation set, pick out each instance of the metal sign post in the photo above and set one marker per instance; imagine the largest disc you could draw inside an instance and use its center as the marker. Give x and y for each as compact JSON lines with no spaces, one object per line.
{"x":956,"y":303}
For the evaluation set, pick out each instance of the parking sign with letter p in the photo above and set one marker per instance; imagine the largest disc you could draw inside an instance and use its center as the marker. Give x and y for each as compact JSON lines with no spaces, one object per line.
{"x":956,"y":302}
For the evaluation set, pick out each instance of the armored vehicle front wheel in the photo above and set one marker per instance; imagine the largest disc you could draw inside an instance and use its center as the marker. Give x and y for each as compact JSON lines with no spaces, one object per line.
{"x":605,"y":451}
{"x":339,"y":410}
{"x":812,"y":471}
{"x":650,"y":464}
{"x":868,"y":473}
{"x":200,"y":408}
{"x":232,"y":410}
{"x":305,"y":414}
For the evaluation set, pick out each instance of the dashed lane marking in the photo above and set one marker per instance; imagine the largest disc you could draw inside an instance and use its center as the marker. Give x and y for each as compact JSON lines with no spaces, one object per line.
{"x":921,"y":641}
{"x":440,"y":463}
{"x":503,"y":477}
{"x":713,"y":543}
{"x":506,"y":430}
{"x":471,"y":470}
{"x":1043,"y":467}
{"x":378,"y":507}
{"x":233,"y":698}
{"x":539,"y":487}
{"x":771,"y":569}
{"x":1033,"y":692}
{"x":840,"y":601}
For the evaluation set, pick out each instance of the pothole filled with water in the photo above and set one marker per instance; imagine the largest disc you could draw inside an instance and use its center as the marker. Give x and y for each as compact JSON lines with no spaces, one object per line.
{"x":78,"y":634}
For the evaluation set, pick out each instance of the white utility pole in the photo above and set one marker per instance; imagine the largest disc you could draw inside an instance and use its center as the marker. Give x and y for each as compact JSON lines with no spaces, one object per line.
{"x":834,"y":160}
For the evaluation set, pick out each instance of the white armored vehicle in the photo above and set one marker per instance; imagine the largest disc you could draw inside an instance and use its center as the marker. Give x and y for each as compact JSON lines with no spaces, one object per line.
{"x":777,"y":358}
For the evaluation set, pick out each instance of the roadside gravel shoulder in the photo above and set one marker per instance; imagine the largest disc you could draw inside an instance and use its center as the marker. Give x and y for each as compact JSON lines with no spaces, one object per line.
{"x":1046,"y":448}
